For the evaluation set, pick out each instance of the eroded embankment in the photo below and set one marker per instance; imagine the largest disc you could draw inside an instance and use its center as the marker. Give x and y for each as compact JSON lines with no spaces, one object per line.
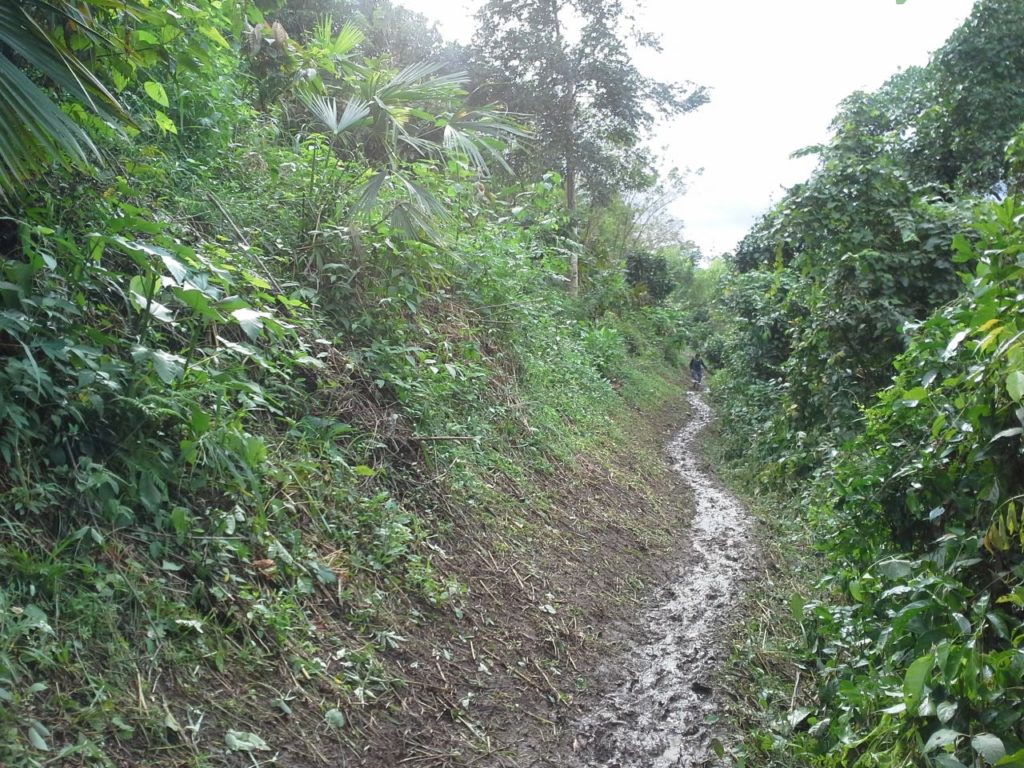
{"x":658,"y":704}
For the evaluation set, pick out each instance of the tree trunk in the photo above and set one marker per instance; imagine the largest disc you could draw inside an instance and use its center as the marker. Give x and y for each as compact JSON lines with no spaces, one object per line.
{"x":570,"y":204}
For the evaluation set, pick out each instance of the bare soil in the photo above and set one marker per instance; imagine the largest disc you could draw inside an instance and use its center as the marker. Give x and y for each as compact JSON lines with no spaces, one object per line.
{"x":644,"y":560}
{"x":657,"y":704}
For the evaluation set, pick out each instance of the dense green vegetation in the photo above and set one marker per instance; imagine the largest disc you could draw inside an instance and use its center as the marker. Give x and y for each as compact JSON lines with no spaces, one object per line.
{"x":302,"y":311}
{"x":270,"y":331}
{"x":873,"y":368}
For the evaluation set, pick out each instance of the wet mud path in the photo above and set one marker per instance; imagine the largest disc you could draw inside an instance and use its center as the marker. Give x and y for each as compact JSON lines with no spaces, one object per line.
{"x":660,"y":704}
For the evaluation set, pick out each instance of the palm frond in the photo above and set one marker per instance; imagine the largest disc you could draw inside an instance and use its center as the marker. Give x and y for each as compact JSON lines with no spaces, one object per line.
{"x":347,"y":40}
{"x":26,"y":38}
{"x":34,"y":132}
{"x":370,"y":192}
{"x":323,"y":32}
{"x":340,"y":45}
{"x":411,"y":222}
{"x":422,"y":146}
{"x":415,"y":72}
{"x":423,"y":199}
{"x":325,"y":109}
{"x":483,"y":131}
{"x":458,"y":142}
{"x":416,"y":83}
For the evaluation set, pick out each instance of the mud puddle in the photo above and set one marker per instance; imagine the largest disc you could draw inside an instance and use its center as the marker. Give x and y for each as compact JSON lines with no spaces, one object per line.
{"x":661,"y":707}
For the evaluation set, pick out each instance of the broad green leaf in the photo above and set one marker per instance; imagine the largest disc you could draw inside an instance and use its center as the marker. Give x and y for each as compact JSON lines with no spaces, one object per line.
{"x":120,"y":80}
{"x":1012,"y":432}
{"x":250,"y":320}
{"x":323,"y":574}
{"x":156,"y":92}
{"x":963,"y":250}
{"x":149,"y":494}
{"x":180,"y":520}
{"x":1015,"y":385}
{"x":895,"y":569}
{"x":954,"y":343}
{"x":178,"y":270}
{"x":915,"y":679}
{"x":1016,"y":760}
{"x":255,"y":451}
{"x":856,"y":590}
{"x":989,"y":746}
{"x":798,"y":715}
{"x":37,"y":734}
{"x":244,"y":741}
{"x":168,"y":366}
{"x":170,"y":32}
{"x":200,"y":421}
{"x":913,"y":396}
{"x":213,"y":34}
{"x":37,"y":619}
{"x":166,"y":124}
{"x":796,"y":607}
{"x":941,"y":738}
{"x":946,"y":710}
{"x":198,"y":302}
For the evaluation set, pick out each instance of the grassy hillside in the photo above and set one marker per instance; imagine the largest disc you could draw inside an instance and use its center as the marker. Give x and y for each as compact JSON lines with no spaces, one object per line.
{"x":293,"y":471}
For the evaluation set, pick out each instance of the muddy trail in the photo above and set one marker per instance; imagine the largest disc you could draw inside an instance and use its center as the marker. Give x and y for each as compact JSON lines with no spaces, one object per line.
{"x":656,"y":704}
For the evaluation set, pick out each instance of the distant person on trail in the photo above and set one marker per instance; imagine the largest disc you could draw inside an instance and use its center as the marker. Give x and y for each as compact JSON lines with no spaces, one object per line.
{"x":697,"y":370}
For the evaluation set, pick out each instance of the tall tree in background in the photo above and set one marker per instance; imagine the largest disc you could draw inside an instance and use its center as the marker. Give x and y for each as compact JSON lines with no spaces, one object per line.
{"x":567,"y":63}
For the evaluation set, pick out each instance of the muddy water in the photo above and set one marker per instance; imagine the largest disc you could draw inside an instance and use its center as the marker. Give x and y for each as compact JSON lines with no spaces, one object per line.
{"x":662,"y":708}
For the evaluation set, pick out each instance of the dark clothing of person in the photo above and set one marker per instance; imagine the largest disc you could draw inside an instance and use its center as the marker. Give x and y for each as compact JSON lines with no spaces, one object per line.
{"x":697,"y":368}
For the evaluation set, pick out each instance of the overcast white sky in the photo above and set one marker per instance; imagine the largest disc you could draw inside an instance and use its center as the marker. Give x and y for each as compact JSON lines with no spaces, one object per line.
{"x":777,"y":71}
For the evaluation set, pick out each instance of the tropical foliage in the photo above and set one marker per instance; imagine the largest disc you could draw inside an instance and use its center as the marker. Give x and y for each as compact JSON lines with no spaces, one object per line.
{"x":872,"y":351}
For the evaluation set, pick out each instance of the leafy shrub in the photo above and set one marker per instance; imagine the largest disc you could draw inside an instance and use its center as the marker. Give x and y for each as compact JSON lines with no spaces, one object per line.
{"x":607,"y":350}
{"x":922,"y":517}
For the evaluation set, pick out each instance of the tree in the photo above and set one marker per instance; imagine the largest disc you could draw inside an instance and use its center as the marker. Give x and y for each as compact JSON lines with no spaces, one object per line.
{"x":648,"y":224}
{"x":567,"y":63}
{"x":978,"y":99}
{"x":649,"y":273}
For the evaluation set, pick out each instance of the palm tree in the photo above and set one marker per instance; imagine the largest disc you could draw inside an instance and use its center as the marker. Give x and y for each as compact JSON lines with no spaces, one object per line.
{"x":34,"y":132}
{"x":395,"y":118}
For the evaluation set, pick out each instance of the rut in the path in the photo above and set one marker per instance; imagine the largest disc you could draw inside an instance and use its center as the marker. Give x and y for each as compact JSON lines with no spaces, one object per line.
{"x":661,"y":712}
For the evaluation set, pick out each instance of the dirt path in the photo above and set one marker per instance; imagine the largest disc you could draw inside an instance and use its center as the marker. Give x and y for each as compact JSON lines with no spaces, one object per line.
{"x":659,"y":704}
